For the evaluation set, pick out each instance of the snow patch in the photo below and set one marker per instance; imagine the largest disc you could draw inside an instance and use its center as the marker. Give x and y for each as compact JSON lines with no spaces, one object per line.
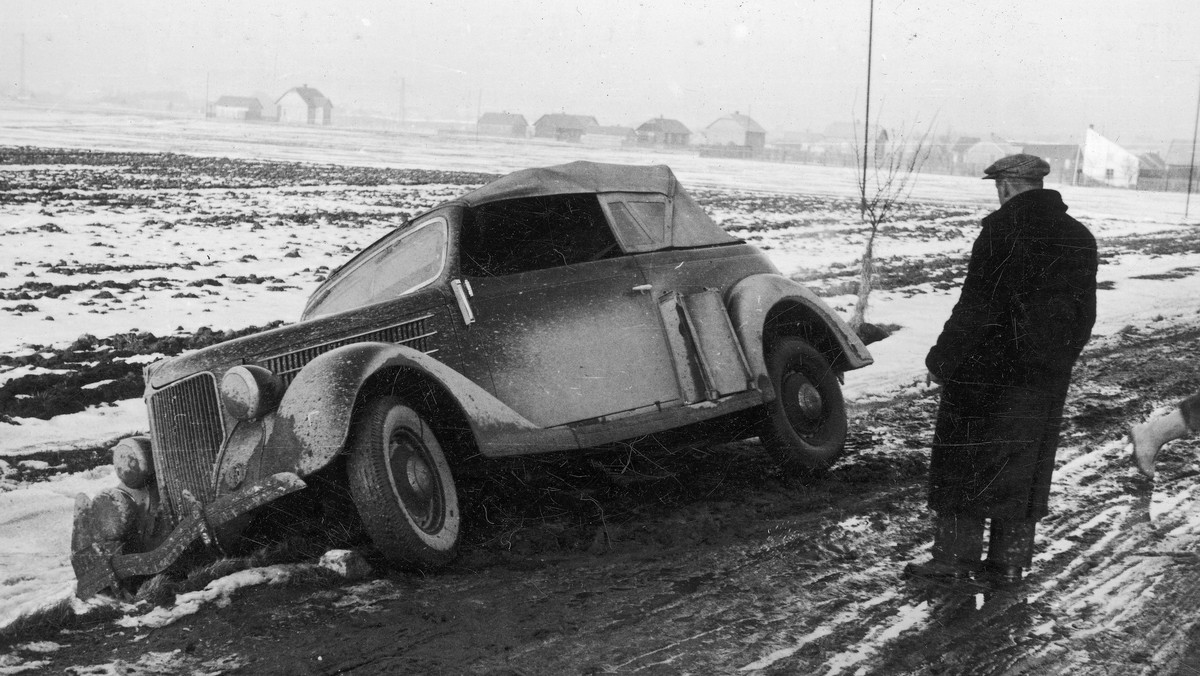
{"x":218,"y":591}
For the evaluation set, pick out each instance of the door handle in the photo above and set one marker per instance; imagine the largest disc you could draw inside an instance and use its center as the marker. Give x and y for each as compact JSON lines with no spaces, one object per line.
{"x":464,"y":305}
{"x":643,"y":288}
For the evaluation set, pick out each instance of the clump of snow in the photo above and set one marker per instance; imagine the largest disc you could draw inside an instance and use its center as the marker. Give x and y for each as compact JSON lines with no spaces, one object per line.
{"x":347,"y":563}
{"x":218,"y":591}
{"x":142,"y":358}
{"x":40,"y":647}
{"x":12,"y":664}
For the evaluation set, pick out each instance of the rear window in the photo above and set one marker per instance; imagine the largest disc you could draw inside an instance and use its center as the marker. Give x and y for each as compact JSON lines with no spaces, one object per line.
{"x":413,"y":260}
{"x":534,"y":233}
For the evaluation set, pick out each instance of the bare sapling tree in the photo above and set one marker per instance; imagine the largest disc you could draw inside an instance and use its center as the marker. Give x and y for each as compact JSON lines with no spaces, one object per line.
{"x":886,"y":176}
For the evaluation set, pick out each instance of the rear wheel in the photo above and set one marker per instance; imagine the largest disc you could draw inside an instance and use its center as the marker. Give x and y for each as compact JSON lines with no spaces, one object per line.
{"x":402,"y":486}
{"x":806,"y":424}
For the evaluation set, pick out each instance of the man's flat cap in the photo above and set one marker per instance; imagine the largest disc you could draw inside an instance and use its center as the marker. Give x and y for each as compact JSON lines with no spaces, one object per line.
{"x":1017,"y":166}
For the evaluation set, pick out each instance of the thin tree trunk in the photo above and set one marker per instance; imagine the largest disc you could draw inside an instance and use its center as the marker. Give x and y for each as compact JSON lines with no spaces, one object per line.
{"x":866,"y":280}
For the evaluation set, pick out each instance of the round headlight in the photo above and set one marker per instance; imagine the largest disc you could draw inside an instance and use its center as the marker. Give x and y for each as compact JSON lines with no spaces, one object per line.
{"x":133,"y":461}
{"x":250,"y":391}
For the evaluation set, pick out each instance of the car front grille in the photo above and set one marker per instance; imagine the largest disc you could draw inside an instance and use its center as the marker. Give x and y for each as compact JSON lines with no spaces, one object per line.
{"x":185,"y":421}
{"x":413,"y":333}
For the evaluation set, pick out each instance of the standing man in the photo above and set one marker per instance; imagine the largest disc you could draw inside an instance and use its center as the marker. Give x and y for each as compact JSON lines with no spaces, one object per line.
{"x":1004,"y":361}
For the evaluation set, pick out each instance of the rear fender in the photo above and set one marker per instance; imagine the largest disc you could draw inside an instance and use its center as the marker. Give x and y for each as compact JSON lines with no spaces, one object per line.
{"x":762,"y":304}
{"x":314,"y":418}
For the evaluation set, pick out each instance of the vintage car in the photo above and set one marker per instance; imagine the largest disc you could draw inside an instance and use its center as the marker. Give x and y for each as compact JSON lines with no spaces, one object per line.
{"x":562,"y":309}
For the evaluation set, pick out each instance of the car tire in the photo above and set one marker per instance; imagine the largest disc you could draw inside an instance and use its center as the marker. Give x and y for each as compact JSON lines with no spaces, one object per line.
{"x":402,"y":486}
{"x":805,"y":428}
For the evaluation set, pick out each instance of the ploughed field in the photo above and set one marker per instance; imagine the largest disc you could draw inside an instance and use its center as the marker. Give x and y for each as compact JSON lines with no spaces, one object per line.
{"x":664,"y":561}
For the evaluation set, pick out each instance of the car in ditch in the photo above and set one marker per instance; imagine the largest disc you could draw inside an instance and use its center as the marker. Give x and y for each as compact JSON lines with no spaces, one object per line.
{"x":563,"y":309}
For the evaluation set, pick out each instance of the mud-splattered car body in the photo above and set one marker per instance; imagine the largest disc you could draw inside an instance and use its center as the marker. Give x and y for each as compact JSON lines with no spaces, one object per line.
{"x":555,"y":309}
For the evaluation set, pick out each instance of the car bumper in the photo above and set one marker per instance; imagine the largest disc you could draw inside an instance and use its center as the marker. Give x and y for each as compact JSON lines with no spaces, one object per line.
{"x":100,"y":564}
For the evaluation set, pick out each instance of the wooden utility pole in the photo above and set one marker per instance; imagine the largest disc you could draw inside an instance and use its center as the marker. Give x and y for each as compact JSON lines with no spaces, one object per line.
{"x":867,"y":115}
{"x":1192,"y":162}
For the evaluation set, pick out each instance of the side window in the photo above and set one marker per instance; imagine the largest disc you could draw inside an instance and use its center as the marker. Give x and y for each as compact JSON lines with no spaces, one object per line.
{"x":402,"y":265}
{"x":640,"y":220}
{"x":534,"y":233}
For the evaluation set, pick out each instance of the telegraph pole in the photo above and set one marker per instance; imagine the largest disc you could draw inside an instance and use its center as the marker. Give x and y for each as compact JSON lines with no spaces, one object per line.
{"x":1192,"y":162}
{"x":867,"y":118}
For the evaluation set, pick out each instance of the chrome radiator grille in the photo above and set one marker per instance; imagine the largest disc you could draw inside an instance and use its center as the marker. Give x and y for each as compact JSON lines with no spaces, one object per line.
{"x":412,"y":333}
{"x":185,"y":421}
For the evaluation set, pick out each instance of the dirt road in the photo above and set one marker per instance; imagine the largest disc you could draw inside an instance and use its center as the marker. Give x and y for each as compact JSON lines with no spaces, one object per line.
{"x":710,"y":562}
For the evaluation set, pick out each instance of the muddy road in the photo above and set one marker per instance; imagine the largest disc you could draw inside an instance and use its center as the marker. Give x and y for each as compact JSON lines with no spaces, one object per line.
{"x":708,"y":561}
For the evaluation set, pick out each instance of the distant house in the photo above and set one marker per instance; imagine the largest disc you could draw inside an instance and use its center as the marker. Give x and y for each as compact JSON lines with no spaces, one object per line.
{"x":563,"y":127}
{"x":663,"y":131}
{"x":958,"y":149}
{"x":304,"y":105}
{"x":1106,"y":163}
{"x":609,"y":136}
{"x":979,"y":155}
{"x":1063,"y":159}
{"x":1152,"y":172}
{"x":502,"y":124}
{"x":238,"y":108}
{"x":1179,"y":159}
{"x":736,"y":130}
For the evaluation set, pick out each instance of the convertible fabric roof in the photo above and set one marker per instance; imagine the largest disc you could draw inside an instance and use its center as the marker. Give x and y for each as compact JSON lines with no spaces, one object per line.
{"x":689,"y":225}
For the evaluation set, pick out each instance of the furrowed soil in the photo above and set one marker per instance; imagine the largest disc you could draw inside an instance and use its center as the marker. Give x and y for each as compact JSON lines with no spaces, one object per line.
{"x":696,"y":560}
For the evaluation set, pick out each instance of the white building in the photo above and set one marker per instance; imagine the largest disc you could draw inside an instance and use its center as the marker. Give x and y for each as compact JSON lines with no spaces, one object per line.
{"x":304,"y":105}
{"x":1108,"y":163}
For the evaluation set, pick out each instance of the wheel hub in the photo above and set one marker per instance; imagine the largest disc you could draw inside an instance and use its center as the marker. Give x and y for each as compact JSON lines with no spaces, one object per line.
{"x":420,"y":477}
{"x":802,"y":401}
{"x":414,"y":481}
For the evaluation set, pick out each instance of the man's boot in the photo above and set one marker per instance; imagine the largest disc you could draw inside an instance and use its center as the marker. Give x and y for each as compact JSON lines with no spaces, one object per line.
{"x":957,"y":548}
{"x":1148,"y":438}
{"x":1010,"y":550}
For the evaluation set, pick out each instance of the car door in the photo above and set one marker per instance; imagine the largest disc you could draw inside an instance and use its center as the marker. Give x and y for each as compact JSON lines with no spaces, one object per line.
{"x":566,"y":321}
{"x":688,"y":285}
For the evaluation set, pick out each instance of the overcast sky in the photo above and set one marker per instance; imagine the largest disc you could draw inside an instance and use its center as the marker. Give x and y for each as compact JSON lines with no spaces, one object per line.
{"x":1024,"y":69}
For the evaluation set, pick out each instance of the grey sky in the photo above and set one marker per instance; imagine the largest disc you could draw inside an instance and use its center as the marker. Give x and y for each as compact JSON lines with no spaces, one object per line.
{"x":1035,"y":69}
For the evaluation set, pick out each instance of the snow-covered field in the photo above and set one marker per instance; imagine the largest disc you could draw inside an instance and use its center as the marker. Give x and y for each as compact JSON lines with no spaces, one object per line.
{"x":176,"y":242}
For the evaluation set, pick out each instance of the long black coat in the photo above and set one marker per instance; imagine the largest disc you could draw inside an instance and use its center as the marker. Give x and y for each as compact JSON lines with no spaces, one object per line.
{"x":1005,"y":356}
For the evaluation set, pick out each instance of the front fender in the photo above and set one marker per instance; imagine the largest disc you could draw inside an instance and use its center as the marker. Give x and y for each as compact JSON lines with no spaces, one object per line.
{"x":754,"y":299}
{"x":312,"y":423}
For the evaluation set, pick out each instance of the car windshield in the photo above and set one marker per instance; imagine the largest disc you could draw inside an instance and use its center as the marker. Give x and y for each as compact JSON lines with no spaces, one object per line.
{"x":410,"y":261}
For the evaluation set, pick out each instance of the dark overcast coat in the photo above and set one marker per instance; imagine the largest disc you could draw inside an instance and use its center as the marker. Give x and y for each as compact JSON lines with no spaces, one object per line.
{"x":1005,"y":356}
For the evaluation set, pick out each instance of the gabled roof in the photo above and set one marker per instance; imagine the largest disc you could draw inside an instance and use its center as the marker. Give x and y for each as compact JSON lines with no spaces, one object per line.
{"x":239,"y":102}
{"x":1151,"y":161}
{"x":502,"y":119}
{"x":311,"y":96}
{"x":663,"y":125}
{"x":566,"y":121}
{"x":689,"y":225}
{"x":743,"y":121}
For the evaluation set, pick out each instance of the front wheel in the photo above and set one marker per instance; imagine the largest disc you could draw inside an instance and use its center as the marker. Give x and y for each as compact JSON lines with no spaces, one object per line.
{"x":806,"y":424}
{"x":402,"y":486}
